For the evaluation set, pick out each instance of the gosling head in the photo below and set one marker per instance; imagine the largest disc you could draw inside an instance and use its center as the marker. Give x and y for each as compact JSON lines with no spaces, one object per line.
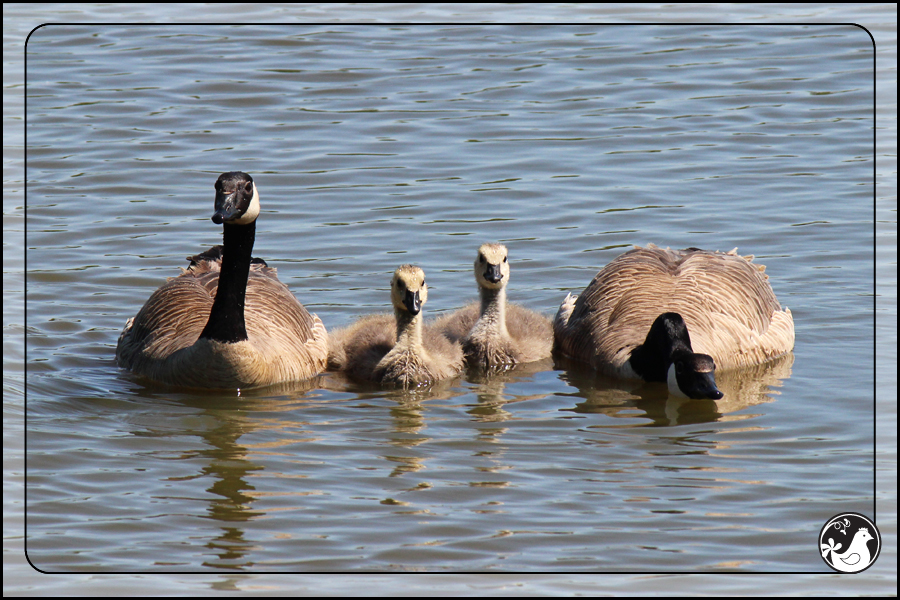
{"x":492,"y":266}
{"x":408,"y":289}
{"x":237,"y":201}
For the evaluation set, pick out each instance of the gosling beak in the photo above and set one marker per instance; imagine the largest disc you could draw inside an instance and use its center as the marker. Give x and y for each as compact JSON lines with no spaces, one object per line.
{"x":493,"y":274}
{"x":412,"y":302}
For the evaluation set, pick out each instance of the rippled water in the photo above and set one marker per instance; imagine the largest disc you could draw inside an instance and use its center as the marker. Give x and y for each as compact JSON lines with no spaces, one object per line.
{"x":374,"y":146}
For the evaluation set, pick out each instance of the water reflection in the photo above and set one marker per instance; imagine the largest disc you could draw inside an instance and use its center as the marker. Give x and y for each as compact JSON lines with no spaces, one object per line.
{"x":265,"y":454}
{"x":652,"y":404}
{"x":221,"y":420}
{"x":491,"y":389}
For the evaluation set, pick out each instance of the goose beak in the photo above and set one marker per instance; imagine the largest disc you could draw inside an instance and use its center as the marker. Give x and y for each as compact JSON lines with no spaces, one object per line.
{"x":702,"y":386}
{"x":226,"y":207}
{"x":412,"y":302}
{"x":693,"y":376}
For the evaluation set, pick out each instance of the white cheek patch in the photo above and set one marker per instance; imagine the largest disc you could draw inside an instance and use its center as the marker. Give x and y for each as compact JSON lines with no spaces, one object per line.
{"x":627,"y":371}
{"x":672,"y":382}
{"x":252,"y":212}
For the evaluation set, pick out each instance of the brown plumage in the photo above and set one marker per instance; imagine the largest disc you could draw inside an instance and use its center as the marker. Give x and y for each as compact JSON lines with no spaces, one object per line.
{"x":177,"y":337}
{"x":726,"y":301}
{"x":396,"y":350}
{"x":496,"y":334}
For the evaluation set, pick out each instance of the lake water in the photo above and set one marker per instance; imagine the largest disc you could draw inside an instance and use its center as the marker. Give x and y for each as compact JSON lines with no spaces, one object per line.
{"x":375,"y":145}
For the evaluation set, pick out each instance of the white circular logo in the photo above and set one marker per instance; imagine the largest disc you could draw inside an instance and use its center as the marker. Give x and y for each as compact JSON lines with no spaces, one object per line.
{"x":849,"y":542}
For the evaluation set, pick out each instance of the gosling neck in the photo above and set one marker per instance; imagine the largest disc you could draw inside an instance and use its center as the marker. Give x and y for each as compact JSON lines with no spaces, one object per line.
{"x":409,"y":328}
{"x":493,"y":308}
{"x":226,"y":319}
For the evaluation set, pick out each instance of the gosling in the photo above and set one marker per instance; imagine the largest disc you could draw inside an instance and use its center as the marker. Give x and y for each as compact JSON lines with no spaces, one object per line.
{"x":397,"y":352}
{"x":498,"y":336}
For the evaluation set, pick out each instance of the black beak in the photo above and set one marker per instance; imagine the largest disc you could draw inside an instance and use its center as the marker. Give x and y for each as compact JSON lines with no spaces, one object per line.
{"x":493,"y":274}
{"x":412,"y":303}
{"x":226,"y":207}
{"x":701,"y":386}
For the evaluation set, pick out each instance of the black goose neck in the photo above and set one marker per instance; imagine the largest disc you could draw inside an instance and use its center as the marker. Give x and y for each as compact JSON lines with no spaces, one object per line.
{"x":226,"y":319}
{"x":668,"y":337}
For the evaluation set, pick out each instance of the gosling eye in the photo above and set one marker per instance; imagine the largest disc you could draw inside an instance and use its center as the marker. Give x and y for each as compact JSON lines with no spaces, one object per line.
{"x":504,"y":259}
{"x":481,"y":258}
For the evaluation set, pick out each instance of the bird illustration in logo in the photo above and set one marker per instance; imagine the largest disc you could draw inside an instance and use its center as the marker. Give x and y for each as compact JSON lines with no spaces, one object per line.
{"x":854,"y":558}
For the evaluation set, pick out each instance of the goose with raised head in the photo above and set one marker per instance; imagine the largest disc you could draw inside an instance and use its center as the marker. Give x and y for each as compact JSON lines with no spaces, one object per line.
{"x":495,"y":334}
{"x":397,"y":350}
{"x":675,"y":316}
{"x":226,"y":321}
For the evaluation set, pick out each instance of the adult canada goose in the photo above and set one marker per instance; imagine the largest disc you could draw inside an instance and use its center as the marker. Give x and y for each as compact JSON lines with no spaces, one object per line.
{"x":196,"y":330}
{"x":395,"y":350}
{"x":674,"y":316}
{"x":497,"y":335}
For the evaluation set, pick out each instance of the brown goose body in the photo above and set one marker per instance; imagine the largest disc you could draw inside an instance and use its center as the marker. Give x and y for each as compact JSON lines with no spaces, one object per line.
{"x":253,"y":333}
{"x":725,"y":299}
{"x":285,"y":342}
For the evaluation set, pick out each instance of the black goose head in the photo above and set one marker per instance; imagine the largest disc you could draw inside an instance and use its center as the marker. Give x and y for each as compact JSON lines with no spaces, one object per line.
{"x":237,"y":201}
{"x":693,"y":375}
{"x":667,"y":355}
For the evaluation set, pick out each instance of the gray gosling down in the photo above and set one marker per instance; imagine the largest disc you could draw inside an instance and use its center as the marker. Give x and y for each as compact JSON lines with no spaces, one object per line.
{"x":496,"y":335}
{"x":675,"y":316}
{"x":397,"y":351}
{"x":226,"y":322}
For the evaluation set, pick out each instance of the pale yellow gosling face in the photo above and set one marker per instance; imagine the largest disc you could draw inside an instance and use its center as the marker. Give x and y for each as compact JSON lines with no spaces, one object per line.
{"x":408,"y":289}
{"x":492,"y":266}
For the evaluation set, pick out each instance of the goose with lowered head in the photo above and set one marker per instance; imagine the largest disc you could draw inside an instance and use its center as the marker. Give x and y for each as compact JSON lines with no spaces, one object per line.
{"x":675,"y":316}
{"x":226,"y":321}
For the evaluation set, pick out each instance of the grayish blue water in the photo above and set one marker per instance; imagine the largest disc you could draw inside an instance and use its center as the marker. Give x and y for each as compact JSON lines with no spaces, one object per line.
{"x":376,"y":145}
